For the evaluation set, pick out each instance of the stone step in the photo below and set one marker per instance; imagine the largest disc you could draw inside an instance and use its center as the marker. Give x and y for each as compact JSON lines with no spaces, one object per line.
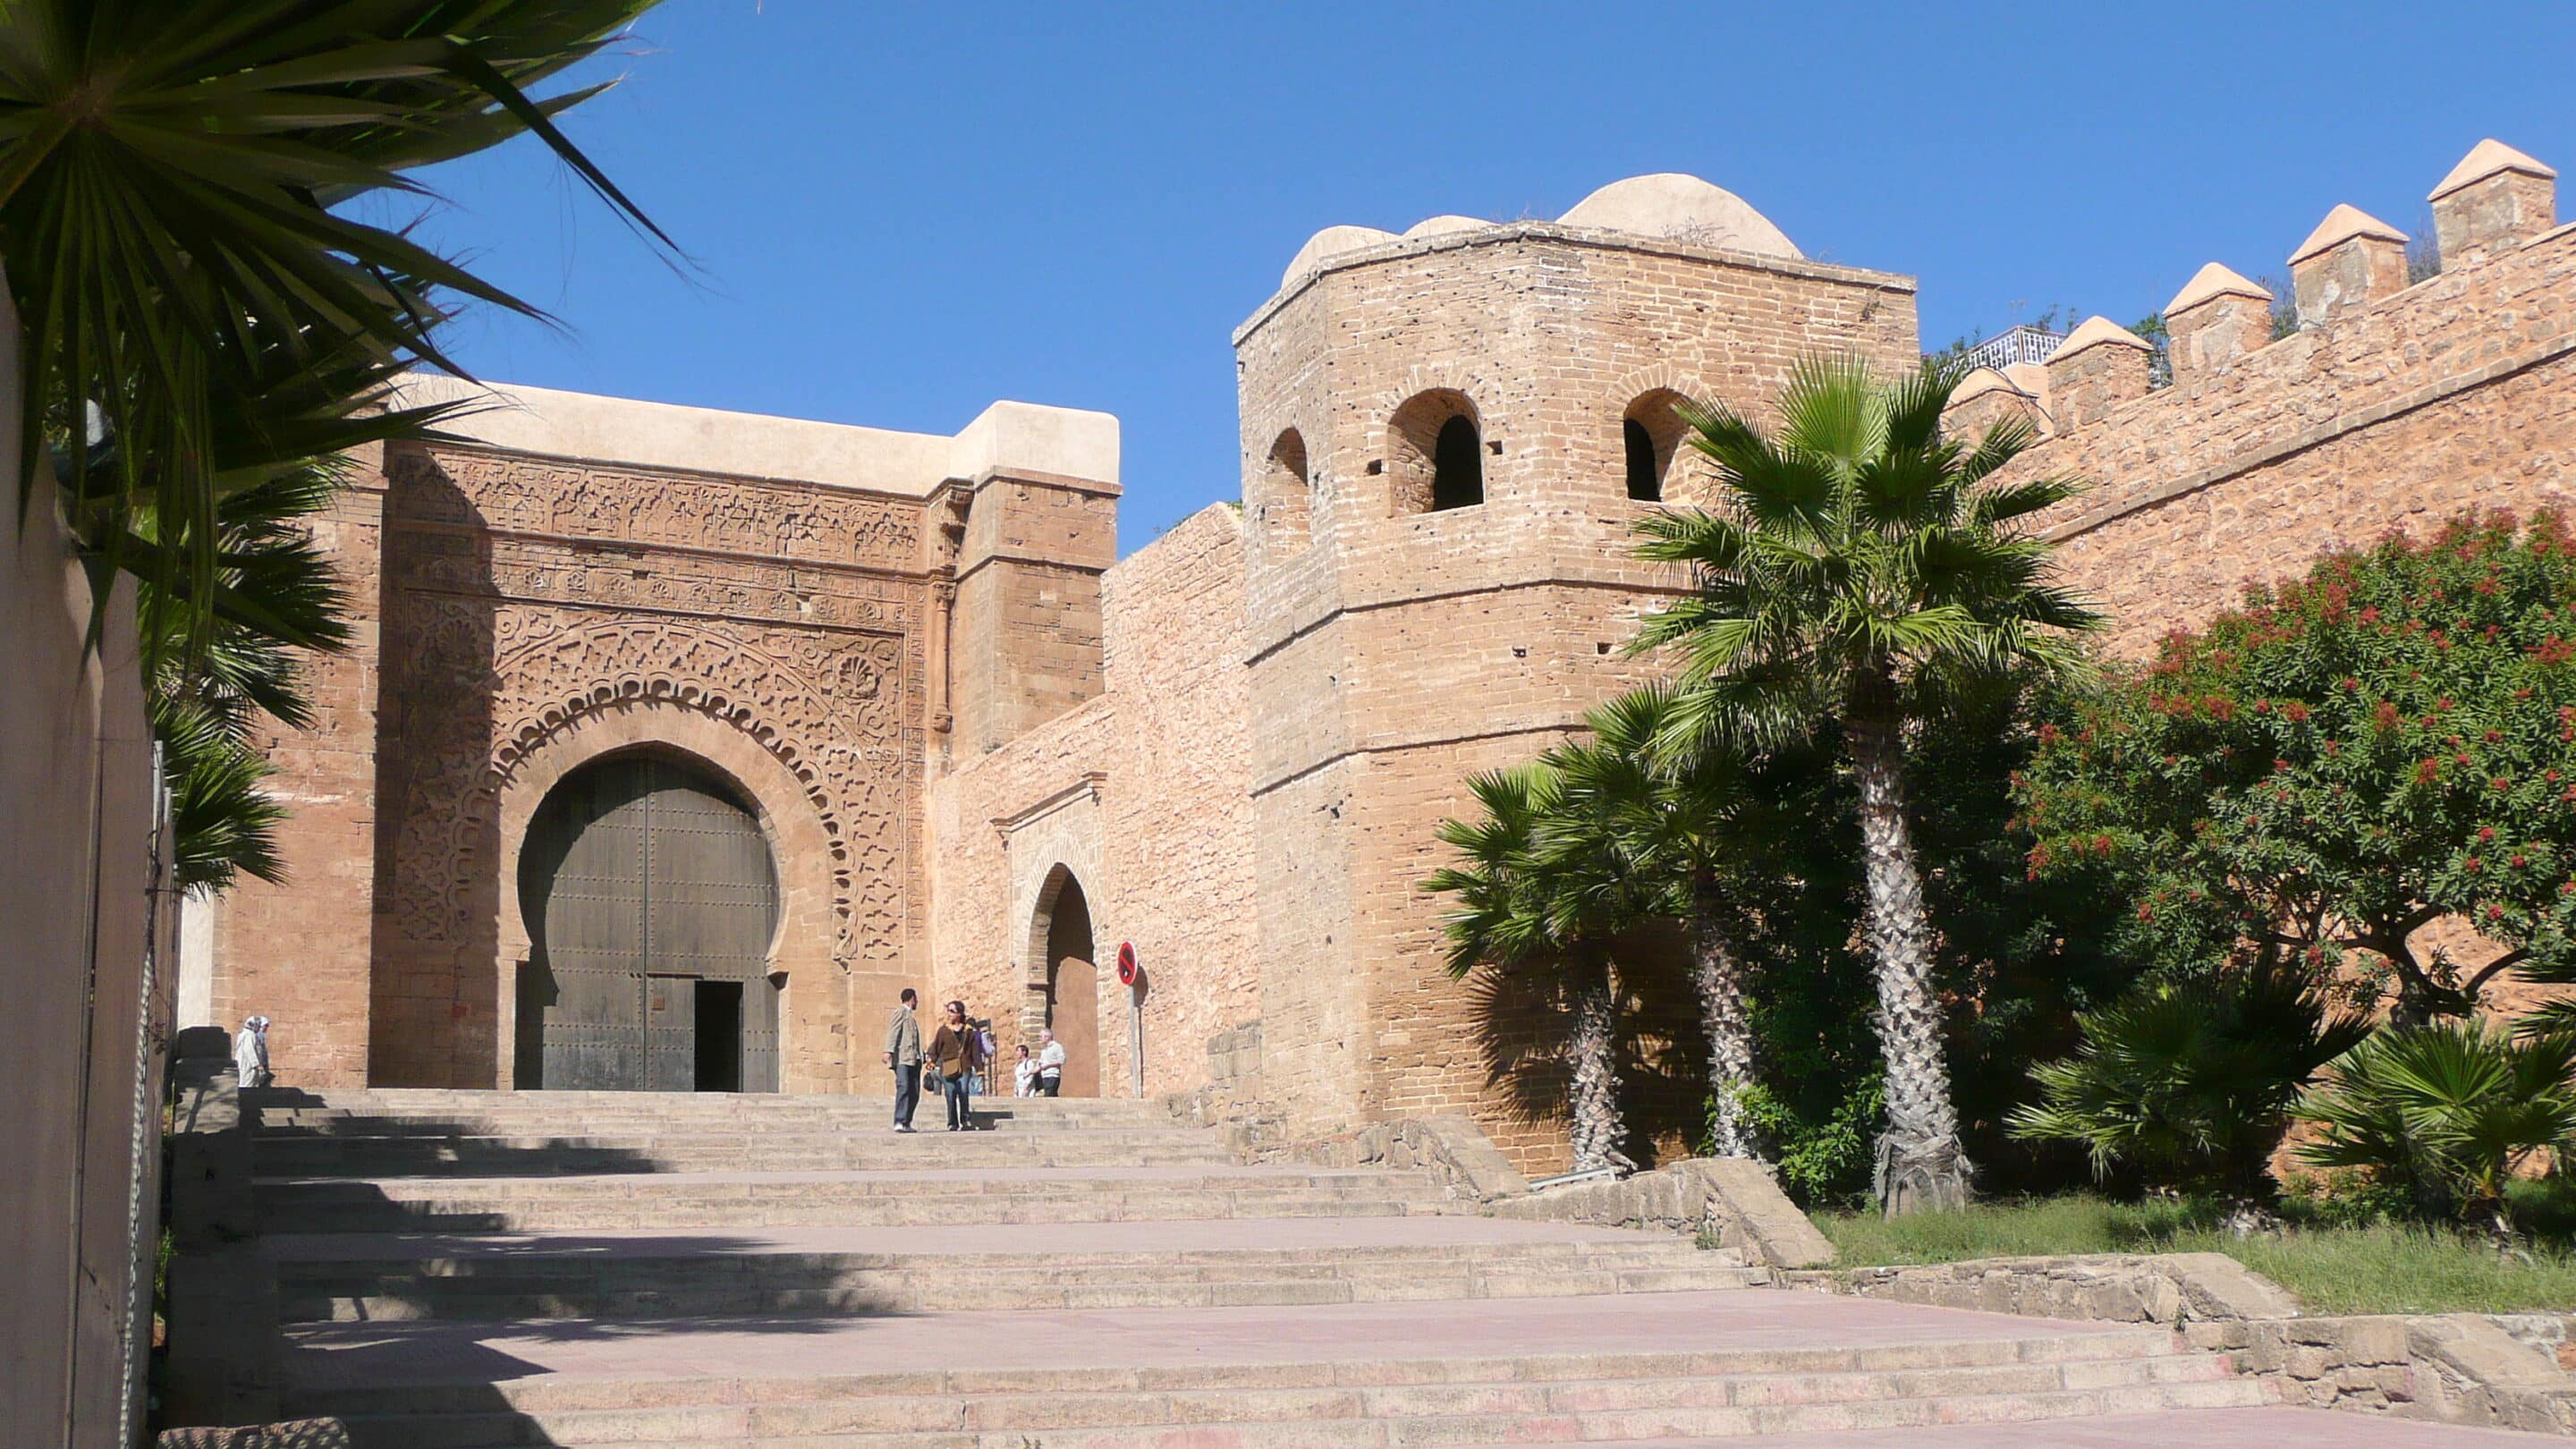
{"x":874,"y":1117}
{"x":1787,"y":1349}
{"x":538,"y":1155}
{"x":602,"y":1211}
{"x":961,"y":1268}
{"x":285,"y":1104}
{"x":688,"y":1291}
{"x":1446,"y":1411}
{"x":925,"y":1197}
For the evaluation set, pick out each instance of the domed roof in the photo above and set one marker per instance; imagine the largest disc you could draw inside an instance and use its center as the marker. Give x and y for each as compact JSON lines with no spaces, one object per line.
{"x":1436,"y":225}
{"x":1681,"y":208}
{"x":1331,"y":241}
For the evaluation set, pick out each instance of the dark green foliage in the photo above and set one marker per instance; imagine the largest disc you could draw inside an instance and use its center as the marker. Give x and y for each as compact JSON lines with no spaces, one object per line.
{"x":2160,"y":362}
{"x":2448,"y":1113}
{"x":2189,"y":1085}
{"x":2340,"y":762}
{"x":207,"y":703}
{"x":2285,"y":304}
{"x":2024,"y":954}
{"x":171,"y":184}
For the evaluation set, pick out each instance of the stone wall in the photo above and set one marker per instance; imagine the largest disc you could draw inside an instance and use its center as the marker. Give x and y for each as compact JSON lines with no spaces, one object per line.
{"x":1396,"y":651}
{"x":298,"y":951}
{"x":2453,"y":1368}
{"x":577,"y":576}
{"x":2394,"y":408}
{"x":544,"y":611}
{"x":1140,"y":797}
{"x":92,"y":926}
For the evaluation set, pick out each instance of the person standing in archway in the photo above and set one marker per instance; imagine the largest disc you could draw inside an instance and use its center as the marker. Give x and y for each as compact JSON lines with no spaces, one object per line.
{"x":1050,"y":1064}
{"x":903,"y":1054}
{"x":955,"y":1054}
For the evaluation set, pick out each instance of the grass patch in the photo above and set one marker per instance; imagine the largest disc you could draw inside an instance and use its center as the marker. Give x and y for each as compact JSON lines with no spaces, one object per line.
{"x":2376,"y":1267}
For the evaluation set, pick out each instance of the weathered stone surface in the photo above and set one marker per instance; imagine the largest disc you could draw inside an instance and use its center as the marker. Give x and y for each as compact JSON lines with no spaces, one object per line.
{"x":2169,"y":1288}
{"x":292,"y":1434}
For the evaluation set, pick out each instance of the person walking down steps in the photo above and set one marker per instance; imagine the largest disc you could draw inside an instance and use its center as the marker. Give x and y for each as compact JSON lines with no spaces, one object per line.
{"x":956,"y":1053}
{"x":250,"y":1054}
{"x":903,"y":1054}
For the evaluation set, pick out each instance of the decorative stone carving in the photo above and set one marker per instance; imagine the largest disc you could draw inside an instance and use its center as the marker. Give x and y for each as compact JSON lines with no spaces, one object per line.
{"x":535,"y":593}
{"x":733,"y":515}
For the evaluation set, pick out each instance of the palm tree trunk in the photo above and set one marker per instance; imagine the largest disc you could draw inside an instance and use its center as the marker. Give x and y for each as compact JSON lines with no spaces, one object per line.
{"x":1719,"y":979}
{"x":1597,"y":1126}
{"x":1920,"y":1163}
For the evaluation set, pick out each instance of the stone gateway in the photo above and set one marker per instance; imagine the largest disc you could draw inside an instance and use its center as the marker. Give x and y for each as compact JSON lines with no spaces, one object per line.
{"x":678,"y":742}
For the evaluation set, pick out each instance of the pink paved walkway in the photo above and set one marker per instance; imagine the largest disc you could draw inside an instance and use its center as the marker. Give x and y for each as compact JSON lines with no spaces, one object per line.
{"x":1062,"y":1240}
{"x":1000,"y":1176}
{"x":2183,"y":1429}
{"x":355,"y":1354}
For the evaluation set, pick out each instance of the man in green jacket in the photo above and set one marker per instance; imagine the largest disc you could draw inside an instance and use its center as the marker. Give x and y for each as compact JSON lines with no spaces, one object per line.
{"x":903,"y":1053}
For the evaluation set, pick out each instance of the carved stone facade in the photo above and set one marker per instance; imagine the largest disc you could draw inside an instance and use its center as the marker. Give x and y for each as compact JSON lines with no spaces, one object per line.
{"x":788,"y":636}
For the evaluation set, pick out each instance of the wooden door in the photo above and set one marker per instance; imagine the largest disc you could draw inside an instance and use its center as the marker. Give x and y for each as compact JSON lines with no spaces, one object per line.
{"x":642,"y":876}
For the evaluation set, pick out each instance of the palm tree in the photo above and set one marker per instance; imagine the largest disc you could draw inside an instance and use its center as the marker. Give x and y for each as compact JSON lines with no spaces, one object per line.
{"x":2191,"y":1082}
{"x":1541,"y":920}
{"x":172,"y":186}
{"x":1861,"y":565}
{"x":1692,"y":824}
{"x":218,"y":659}
{"x":2451,"y":1112}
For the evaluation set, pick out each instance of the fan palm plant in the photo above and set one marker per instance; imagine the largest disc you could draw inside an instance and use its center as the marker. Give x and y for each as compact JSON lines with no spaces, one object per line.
{"x":1861,"y":564}
{"x":220,"y":658}
{"x":1543,"y":917}
{"x":2191,"y":1082}
{"x":2450,"y":1112}
{"x":171,"y":178}
{"x":1691,"y":825}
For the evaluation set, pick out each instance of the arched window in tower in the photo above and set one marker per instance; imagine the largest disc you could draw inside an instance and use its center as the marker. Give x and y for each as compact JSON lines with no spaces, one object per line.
{"x":1457,"y":466}
{"x":1650,"y":436}
{"x":1645,"y":479}
{"x":1287,"y":498}
{"x":1435,"y":454}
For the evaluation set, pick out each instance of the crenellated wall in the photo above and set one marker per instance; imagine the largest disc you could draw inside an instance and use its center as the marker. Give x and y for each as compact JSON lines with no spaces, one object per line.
{"x":2392,"y":406}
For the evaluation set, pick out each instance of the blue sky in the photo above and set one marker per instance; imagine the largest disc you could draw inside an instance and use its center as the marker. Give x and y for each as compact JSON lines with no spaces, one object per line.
{"x":899,"y":213}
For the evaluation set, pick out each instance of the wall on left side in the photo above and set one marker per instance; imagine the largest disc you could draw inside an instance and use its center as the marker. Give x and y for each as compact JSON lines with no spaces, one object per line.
{"x":298,"y":953}
{"x":80,"y":881}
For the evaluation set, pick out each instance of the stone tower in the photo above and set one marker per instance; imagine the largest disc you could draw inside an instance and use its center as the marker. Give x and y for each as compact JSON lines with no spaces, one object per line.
{"x":1446,"y":437}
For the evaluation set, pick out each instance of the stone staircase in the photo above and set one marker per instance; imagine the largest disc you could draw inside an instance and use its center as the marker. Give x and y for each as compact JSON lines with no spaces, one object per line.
{"x":471,"y":1270}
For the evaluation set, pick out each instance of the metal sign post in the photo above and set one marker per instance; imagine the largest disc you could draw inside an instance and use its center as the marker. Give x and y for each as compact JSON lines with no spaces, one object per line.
{"x":1132,"y":976}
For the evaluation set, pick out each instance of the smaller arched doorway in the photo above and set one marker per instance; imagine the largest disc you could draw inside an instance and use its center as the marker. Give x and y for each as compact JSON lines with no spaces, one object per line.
{"x":651,"y":901}
{"x":1068,"y":982}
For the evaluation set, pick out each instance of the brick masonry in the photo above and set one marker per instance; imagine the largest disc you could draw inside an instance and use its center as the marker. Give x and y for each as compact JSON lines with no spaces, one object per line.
{"x":916,"y":657}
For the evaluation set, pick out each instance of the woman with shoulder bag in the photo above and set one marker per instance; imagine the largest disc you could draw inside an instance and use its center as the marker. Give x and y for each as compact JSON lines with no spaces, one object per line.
{"x":955,"y":1054}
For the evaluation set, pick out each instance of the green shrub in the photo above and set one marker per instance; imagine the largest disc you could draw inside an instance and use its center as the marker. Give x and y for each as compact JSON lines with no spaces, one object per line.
{"x":1824,"y":1159}
{"x":2448,"y":1113}
{"x":2191,"y":1084}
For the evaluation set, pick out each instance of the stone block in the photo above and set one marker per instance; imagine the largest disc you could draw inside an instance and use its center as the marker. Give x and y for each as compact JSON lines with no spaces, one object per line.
{"x":2099,"y":366}
{"x":2495,"y":197}
{"x":2215,"y":319}
{"x":2351,"y":260}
